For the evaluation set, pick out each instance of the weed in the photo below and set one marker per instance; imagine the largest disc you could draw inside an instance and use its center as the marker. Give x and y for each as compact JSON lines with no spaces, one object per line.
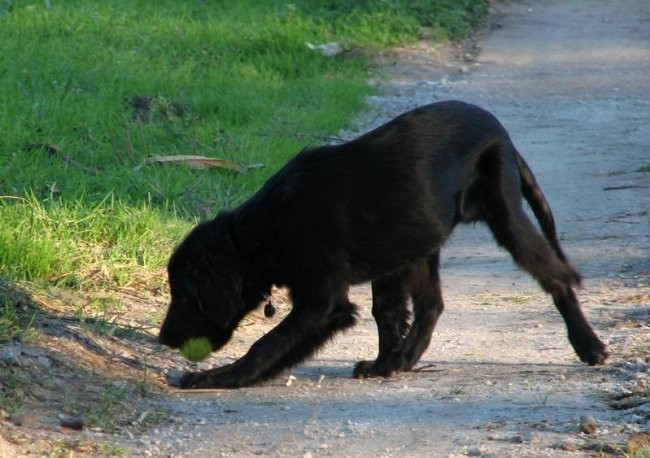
{"x":14,"y":321}
{"x":111,"y":409}
{"x":641,"y":453}
{"x":622,"y":450}
{"x":541,"y":399}
{"x":111,"y":449}
{"x":456,"y":390}
{"x":12,"y":398}
{"x":143,"y":384}
{"x":644,"y":168}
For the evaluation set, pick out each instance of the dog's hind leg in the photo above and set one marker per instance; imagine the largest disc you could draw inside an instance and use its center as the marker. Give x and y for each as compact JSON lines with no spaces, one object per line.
{"x":496,"y":198}
{"x":533,"y":254}
{"x":314,"y":319}
{"x":427,"y":308}
{"x":389,"y":308}
{"x":400,"y":351}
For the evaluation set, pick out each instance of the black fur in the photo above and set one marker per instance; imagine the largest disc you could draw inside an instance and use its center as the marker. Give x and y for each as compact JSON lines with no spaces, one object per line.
{"x":378,"y":208}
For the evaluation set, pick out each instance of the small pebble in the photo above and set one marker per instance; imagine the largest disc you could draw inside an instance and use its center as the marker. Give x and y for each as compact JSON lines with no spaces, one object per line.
{"x":174,"y":376}
{"x":202,"y":366}
{"x":588,"y":424}
{"x":73,"y":422}
{"x":44,"y":362}
{"x":10,"y":355}
{"x":17,"y":419}
{"x":34,"y":352}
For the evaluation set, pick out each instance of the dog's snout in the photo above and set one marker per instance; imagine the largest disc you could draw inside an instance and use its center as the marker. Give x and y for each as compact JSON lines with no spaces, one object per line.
{"x":166,"y":337}
{"x":162,"y":337}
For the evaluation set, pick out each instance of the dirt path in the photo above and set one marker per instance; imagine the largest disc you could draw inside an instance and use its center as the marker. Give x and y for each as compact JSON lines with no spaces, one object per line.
{"x":570,"y":80}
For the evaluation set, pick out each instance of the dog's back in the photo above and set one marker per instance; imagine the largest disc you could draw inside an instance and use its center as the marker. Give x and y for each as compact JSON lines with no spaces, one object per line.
{"x":385,"y":198}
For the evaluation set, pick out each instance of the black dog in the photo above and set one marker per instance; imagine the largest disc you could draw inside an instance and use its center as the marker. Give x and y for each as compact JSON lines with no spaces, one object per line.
{"x":378,"y":208}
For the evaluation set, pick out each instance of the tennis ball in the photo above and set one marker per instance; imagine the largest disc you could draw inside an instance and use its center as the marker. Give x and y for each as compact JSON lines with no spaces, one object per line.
{"x":196,"y":349}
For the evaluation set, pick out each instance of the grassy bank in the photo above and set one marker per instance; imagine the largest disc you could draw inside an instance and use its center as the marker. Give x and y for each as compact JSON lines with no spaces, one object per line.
{"x":89,"y":89}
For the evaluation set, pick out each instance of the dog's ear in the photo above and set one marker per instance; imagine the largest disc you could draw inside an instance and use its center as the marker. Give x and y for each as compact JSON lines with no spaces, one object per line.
{"x":219,"y":297}
{"x":219,"y":289}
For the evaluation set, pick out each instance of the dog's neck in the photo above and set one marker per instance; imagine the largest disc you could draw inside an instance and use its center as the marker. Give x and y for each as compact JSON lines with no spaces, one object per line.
{"x":254,"y":256}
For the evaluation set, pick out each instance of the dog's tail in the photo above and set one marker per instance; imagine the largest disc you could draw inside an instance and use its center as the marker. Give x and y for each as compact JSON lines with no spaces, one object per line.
{"x":535,"y":198}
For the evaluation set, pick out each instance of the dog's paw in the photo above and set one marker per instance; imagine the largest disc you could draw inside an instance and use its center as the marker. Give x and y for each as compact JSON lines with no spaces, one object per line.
{"x":191,"y":380}
{"x":596,"y":356}
{"x":370,"y":369}
{"x":591,"y":350}
{"x":363,"y":369}
{"x":219,"y":377}
{"x":184,"y":380}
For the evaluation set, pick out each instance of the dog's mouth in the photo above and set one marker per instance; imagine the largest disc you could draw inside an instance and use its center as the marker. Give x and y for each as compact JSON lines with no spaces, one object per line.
{"x":219,"y":341}
{"x":164,"y":338}
{"x":177,"y":342}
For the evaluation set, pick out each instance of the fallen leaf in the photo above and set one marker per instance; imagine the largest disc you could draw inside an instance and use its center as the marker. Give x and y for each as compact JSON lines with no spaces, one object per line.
{"x":326,"y":49}
{"x":201,"y":162}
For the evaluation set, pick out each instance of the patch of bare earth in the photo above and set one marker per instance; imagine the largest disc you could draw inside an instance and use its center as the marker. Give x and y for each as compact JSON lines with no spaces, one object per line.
{"x":77,"y":375}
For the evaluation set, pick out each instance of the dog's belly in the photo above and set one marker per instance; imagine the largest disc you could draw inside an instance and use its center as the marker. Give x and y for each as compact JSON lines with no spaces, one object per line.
{"x":392,"y":247}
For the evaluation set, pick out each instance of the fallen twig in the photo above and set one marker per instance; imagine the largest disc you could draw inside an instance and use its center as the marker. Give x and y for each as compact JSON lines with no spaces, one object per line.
{"x":632,"y":186}
{"x":201,"y":162}
{"x":54,"y":151}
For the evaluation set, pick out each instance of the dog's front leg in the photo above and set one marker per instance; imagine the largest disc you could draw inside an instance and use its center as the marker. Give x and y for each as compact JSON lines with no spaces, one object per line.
{"x":296,"y":338}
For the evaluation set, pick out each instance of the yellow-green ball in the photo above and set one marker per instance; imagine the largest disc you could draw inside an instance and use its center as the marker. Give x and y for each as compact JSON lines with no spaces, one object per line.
{"x":196,"y":349}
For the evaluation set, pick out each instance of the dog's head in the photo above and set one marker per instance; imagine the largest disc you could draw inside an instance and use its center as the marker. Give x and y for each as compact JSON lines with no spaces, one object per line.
{"x":206,"y":287}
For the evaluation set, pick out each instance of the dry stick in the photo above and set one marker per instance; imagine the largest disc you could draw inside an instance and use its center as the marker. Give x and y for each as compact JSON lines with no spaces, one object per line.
{"x":83,"y":167}
{"x":426,"y":368}
{"x":632,"y":186}
{"x":53,"y":151}
{"x":13,"y":198}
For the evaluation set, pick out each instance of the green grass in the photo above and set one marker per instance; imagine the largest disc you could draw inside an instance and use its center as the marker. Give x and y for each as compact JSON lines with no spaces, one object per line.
{"x":15,"y":322}
{"x":81,"y":244}
{"x":224,"y":79}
